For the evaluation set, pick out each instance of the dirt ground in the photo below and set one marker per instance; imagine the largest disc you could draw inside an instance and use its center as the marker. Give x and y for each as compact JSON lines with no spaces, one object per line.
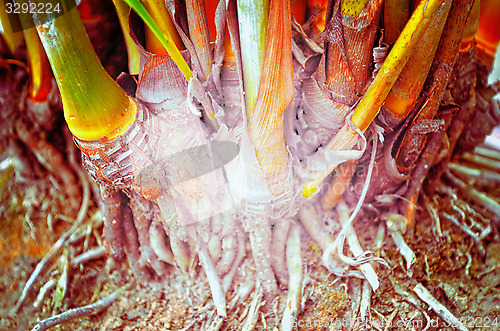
{"x":451,"y":267}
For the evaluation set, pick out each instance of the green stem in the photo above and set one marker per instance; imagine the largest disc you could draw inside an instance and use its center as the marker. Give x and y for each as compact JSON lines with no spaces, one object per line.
{"x":122,"y":11}
{"x":164,"y":37}
{"x":94,"y":105}
{"x":11,"y":28}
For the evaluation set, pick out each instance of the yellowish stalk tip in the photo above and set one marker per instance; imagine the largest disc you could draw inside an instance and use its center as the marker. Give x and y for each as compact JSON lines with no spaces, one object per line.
{"x":308,"y":190}
{"x":353,"y":7}
{"x":112,"y":126}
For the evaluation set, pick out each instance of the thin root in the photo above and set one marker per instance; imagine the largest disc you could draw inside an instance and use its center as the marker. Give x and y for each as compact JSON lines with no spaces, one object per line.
{"x":295,"y":274}
{"x":441,"y":310}
{"x":355,"y":247}
{"x":228,"y":278}
{"x":214,"y":282}
{"x":396,"y":225}
{"x":253,"y":311}
{"x":91,"y":254}
{"x":82,"y":213}
{"x":87,"y":310}
{"x":280,"y":233}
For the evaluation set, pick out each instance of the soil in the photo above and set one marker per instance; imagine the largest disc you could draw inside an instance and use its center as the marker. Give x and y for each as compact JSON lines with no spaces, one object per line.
{"x":450,"y":267}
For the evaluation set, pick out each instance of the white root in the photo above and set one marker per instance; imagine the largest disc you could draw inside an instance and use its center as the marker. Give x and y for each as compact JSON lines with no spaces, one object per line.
{"x":364,"y":307}
{"x":474,"y":229}
{"x":143,"y":215}
{"x":295,"y":274}
{"x":214,"y":247}
{"x":216,"y":224}
{"x":91,"y":254}
{"x":190,"y":325}
{"x":229,"y":252}
{"x":91,"y":309}
{"x":441,"y":310}
{"x":474,"y":173}
{"x":132,"y":249}
{"x":253,"y":312}
{"x":312,"y":224}
{"x":228,"y":224}
{"x":430,"y":206}
{"x":482,"y":161}
{"x":62,"y":284}
{"x":214,"y":282}
{"x":258,"y":229}
{"x":279,"y":237}
{"x":95,"y":222}
{"x":202,"y":230}
{"x":379,"y":240}
{"x":82,"y":213}
{"x":482,"y":199}
{"x":180,"y":251}
{"x":396,"y":224}
{"x":215,"y":325}
{"x":158,"y":242}
{"x":354,"y":246}
{"x":488,"y":153}
{"x":51,"y":283}
{"x":243,"y":292}
{"x":228,"y":278}
{"x":338,"y":244}
{"x":404,"y":249}
{"x":355,"y":289}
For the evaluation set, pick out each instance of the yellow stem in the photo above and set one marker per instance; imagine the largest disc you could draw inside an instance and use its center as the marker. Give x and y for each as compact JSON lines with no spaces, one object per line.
{"x":410,"y":82}
{"x":159,"y":13}
{"x":344,"y":140}
{"x":373,"y":99}
{"x":472,"y":25}
{"x":163,"y":35}
{"x":412,"y":144}
{"x":40,"y":71}
{"x":369,"y":105}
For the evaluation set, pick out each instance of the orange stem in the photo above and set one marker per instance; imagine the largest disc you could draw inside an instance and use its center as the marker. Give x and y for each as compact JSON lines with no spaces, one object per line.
{"x":266,"y":123}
